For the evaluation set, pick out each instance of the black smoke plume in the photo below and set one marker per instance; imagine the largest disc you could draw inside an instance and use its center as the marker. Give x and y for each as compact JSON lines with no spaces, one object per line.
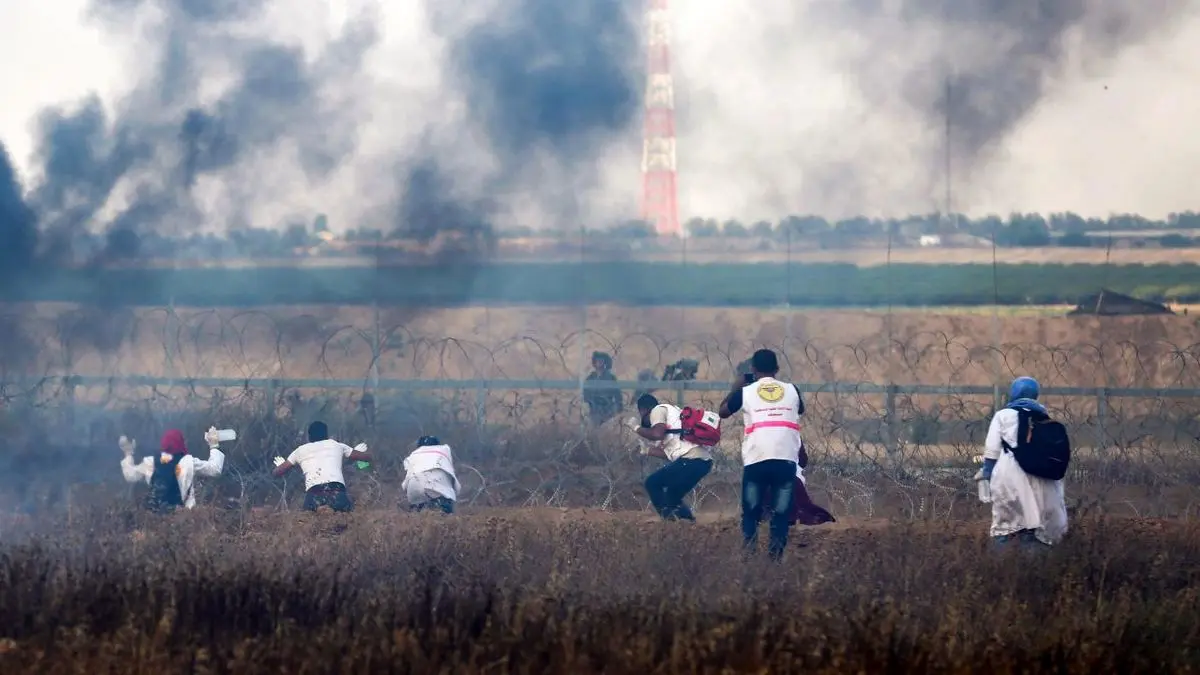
{"x":986,"y":65}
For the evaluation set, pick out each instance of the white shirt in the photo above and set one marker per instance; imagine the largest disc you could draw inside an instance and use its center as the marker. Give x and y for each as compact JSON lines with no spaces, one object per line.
{"x":1020,"y":501}
{"x":186,"y":472}
{"x":771,"y":415}
{"x":321,"y":462}
{"x":674,"y":446}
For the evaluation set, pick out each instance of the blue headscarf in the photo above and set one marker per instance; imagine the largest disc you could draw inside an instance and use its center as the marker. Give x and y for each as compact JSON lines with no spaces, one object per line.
{"x":1023,"y":394}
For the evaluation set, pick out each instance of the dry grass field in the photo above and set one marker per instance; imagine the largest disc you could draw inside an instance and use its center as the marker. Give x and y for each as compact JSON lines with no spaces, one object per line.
{"x":506,"y":591}
{"x":912,"y":347}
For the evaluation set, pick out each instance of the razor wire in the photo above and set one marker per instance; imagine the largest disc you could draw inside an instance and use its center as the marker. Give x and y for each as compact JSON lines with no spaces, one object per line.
{"x":905,"y":410}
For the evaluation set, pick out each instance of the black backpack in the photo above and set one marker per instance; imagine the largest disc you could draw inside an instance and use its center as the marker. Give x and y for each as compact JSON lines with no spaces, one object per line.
{"x":164,"y":493}
{"x":1043,"y":447}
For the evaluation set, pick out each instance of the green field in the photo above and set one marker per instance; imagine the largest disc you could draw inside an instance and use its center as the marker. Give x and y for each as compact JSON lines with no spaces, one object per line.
{"x":628,"y":283}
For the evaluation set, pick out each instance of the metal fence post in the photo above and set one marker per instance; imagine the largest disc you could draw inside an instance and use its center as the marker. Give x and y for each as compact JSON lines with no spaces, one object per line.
{"x":891,"y":434}
{"x":1101,"y":415}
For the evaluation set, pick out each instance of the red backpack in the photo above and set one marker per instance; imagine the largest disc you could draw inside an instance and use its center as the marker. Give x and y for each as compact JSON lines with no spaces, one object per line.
{"x":699,"y":426}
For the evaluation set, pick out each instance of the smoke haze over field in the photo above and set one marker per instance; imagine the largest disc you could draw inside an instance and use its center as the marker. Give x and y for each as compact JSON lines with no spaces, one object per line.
{"x":184,"y":115}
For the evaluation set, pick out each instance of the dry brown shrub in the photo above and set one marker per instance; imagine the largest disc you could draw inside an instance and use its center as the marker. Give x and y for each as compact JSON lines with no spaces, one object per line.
{"x":551,"y":591}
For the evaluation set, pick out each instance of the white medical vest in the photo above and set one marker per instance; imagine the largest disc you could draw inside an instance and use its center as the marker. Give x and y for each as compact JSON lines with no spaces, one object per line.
{"x":771,"y":414}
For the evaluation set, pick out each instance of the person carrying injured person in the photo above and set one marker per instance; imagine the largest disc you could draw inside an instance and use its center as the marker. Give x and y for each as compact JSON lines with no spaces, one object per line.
{"x":172,"y":473}
{"x":687,"y":462}
{"x":321,"y":460}
{"x":429,"y":478}
{"x":1027,"y":509}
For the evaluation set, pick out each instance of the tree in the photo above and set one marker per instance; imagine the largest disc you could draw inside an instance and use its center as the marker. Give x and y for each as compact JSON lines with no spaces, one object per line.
{"x":698,"y":227}
{"x":633,"y":229}
{"x":762,"y":228}
{"x":295,"y":236}
{"x":734,"y":228}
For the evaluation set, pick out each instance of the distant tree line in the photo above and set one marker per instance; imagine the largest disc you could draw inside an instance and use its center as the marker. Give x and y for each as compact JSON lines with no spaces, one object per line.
{"x":1015,"y":230}
{"x":1178,"y":230}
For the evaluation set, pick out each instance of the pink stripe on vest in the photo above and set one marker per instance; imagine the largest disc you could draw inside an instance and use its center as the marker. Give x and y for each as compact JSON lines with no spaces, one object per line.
{"x":773,"y":425}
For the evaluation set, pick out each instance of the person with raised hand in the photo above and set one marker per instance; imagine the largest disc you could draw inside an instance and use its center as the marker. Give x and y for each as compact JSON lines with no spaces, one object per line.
{"x":321,"y":460}
{"x":172,"y":474}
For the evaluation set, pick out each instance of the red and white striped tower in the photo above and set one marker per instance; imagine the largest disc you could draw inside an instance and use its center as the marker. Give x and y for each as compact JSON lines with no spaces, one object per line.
{"x":659,"y":206}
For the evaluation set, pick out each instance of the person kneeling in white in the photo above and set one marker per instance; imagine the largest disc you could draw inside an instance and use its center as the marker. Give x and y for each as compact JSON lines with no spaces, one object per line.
{"x":429,"y":477}
{"x":172,"y":479}
{"x":1025,"y":508}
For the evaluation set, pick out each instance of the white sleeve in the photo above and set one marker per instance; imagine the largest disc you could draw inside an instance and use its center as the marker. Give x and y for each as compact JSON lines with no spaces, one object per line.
{"x":140,"y":472}
{"x":659,"y":415}
{"x":1003,"y":429}
{"x":211,"y":467}
{"x":346,"y":450}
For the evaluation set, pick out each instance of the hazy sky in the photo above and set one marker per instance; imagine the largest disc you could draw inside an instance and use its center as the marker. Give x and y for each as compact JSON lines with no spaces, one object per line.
{"x":525,"y":109}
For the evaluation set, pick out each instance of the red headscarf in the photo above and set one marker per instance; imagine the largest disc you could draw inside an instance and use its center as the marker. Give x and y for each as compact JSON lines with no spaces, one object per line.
{"x":173,"y":443}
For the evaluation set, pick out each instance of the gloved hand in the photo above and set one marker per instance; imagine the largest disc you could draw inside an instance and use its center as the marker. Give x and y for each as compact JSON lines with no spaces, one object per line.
{"x":127,"y":446}
{"x":211,"y":437}
{"x":988,"y":466}
{"x":279,"y":460}
{"x":633,"y":424}
{"x":361,"y":447}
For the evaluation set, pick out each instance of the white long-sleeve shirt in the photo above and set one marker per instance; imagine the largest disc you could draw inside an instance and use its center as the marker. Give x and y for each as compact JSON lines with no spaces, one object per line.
{"x":1020,"y":501}
{"x":190,"y":467}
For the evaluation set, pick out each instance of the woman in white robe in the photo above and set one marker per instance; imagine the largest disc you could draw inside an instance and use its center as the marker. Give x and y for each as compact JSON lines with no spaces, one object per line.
{"x":1028,"y":509}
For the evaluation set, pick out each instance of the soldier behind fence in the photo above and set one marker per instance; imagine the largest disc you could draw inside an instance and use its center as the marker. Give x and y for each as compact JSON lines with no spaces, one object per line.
{"x":321,"y":460}
{"x":172,"y":474}
{"x":605,"y":401}
{"x":429,"y":477}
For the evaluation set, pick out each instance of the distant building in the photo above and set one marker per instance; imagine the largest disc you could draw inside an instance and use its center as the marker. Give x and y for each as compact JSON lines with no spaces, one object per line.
{"x":1111,"y":303}
{"x":930,"y":240}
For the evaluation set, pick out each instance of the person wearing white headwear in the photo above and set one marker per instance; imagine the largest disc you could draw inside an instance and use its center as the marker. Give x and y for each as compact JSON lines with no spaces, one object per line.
{"x":429,"y":477}
{"x":1026,"y":509}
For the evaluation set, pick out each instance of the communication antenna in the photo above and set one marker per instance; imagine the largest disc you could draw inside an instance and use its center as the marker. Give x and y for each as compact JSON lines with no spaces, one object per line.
{"x":659,"y":204}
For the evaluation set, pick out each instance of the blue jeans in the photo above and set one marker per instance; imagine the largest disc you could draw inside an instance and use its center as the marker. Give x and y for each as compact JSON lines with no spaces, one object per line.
{"x":779,"y":477}
{"x":669,"y":485}
{"x":1025,"y":540}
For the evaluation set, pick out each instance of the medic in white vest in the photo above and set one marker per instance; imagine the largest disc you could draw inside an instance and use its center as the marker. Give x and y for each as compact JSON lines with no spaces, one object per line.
{"x":429,"y":477}
{"x":771,"y":411}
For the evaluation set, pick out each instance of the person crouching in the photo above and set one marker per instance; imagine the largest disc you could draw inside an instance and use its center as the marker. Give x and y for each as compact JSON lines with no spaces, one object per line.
{"x":172,"y":478}
{"x":429,"y":478}
{"x":321,"y":459}
{"x":688,"y":462}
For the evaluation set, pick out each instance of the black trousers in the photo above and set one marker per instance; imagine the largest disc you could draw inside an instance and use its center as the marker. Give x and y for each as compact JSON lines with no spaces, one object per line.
{"x":333,"y":495}
{"x":669,"y":485}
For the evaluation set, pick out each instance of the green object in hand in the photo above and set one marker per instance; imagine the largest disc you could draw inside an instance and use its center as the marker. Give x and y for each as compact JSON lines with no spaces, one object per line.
{"x":363,"y":466}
